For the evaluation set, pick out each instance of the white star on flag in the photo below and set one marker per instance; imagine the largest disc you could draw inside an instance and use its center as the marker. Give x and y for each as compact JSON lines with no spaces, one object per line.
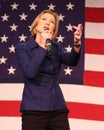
{"x":51,"y":6}
{"x":3,"y":60}
{"x":5,"y":17}
{"x":68,"y":49}
{"x":11,"y":70}
{"x":13,"y":27}
{"x":14,"y":6}
{"x":68,"y":71}
{"x":23,"y":16}
{"x":22,"y":38}
{"x":69,"y":27}
{"x":12,"y":49}
{"x":61,"y":17}
{"x":30,"y":28}
{"x":60,"y":38}
{"x":4,"y":38}
{"x":32,"y":6}
{"x":70,"y":6}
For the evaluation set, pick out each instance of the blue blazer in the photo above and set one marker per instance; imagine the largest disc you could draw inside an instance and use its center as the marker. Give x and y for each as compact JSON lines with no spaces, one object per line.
{"x":41,"y":75}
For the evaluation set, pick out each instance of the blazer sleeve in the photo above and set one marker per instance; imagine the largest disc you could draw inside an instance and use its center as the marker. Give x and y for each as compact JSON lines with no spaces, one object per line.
{"x":69,"y":58}
{"x":29,"y":62}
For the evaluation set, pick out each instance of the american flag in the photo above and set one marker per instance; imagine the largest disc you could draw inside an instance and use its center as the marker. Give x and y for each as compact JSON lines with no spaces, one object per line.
{"x":82,"y":86}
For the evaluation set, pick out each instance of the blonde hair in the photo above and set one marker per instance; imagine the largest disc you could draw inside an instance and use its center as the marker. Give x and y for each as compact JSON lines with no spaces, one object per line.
{"x":35,"y":22}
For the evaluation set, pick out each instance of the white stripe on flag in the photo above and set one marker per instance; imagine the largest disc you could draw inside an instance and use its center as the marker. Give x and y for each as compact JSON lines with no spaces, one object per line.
{"x":95,"y":3}
{"x":10,"y":123}
{"x":14,"y":123}
{"x":94,"y":30}
{"x":94,"y":62}
{"x":74,"y":93}
{"x":11,"y":91}
{"x":77,"y":124}
{"x":82,"y":93}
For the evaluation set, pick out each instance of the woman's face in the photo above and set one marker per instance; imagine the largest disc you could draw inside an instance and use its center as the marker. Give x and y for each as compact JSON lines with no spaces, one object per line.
{"x":46,"y":22}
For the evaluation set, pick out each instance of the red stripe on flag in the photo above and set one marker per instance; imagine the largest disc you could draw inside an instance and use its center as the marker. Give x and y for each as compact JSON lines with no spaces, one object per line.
{"x":94,"y":46}
{"x":9,"y":108}
{"x":86,"y":111}
{"x":94,"y":14}
{"x":77,"y":110}
{"x":93,"y":78}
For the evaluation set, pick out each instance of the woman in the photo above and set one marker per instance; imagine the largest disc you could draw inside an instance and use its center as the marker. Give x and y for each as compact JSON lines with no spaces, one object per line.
{"x":43,"y":106}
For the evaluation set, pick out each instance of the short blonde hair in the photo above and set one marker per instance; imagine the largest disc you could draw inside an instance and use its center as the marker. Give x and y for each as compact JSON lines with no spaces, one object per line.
{"x":35,"y":22}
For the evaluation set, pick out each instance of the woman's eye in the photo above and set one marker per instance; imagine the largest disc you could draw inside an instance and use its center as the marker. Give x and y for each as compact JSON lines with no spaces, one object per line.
{"x":52,"y":22}
{"x":43,"y":18}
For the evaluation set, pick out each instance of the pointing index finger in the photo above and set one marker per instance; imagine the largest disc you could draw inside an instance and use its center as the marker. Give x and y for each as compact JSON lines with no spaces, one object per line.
{"x":79,"y":27}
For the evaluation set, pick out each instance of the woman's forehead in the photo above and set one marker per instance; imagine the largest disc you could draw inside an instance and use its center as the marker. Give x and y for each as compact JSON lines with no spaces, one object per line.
{"x":48,"y":15}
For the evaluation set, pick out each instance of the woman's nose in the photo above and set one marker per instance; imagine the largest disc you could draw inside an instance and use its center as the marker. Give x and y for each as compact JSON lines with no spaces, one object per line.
{"x":47,"y":22}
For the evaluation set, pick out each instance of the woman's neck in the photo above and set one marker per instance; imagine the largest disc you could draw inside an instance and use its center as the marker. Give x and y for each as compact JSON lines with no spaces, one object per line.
{"x":40,"y":41}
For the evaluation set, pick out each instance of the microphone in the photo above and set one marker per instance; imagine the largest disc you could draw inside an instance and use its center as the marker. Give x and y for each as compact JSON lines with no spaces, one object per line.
{"x":49,"y":46}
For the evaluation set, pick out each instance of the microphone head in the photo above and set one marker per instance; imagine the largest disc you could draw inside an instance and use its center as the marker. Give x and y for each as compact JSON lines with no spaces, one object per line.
{"x":48,"y":42}
{"x":49,"y":45}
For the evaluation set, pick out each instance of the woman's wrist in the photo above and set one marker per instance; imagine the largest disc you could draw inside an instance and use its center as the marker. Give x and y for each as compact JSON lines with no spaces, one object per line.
{"x":77,"y":45}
